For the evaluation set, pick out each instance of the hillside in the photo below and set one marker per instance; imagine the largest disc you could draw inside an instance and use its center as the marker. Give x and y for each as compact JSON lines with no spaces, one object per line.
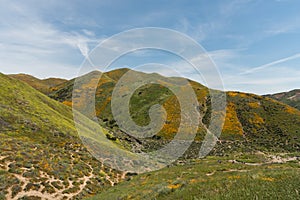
{"x":234,"y":177}
{"x":41,"y":156}
{"x":252,"y":122}
{"x":43,"y":85}
{"x":291,"y":98}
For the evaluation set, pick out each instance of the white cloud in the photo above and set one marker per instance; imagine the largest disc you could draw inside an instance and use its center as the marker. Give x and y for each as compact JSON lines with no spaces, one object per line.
{"x":209,"y":68}
{"x":278,"y":78}
{"x":30,"y":44}
{"x":252,"y":70}
{"x":282,"y":27}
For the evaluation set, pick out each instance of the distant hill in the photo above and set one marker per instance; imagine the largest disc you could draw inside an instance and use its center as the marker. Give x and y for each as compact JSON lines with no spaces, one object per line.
{"x":43,"y":85}
{"x":291,"y":98}
{"x":252,"y":122}
{"x":41,"y":156}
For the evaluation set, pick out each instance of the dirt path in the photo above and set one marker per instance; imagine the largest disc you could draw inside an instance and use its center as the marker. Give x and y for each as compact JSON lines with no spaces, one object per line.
{"x":59,"y":193}
{"x":230,"y":170}
{"x":272,"y":159}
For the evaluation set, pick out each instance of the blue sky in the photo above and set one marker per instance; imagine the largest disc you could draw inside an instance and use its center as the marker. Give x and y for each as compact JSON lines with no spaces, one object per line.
{"x":254,"y":43}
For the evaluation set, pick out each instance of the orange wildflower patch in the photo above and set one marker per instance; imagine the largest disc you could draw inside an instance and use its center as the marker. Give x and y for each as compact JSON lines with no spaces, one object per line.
{"x":234,"y":177}
{"x":232,"y":123}
{"x":256,"y":119}
{"x":268,"y":179}
{"x":254,"y":104}
{"x":232,"y":94}
{"x":243,"y":95}
{"x":68,"y":103}
{"x":174,"y":186}
{"x":291,"y":110}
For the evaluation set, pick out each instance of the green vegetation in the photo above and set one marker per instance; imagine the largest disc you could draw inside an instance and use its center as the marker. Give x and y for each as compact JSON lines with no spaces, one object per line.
{"x":43,"y":85}
{"x":40,"y":150}
{"x":251,"y":121}
{"x":291,"y":98}
{"x":267,"y":125}
{"x":256,"y":157}
{"x":213,"y":178}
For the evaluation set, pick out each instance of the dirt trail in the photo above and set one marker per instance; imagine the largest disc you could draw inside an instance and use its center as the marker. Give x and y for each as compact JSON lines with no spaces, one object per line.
{"x":58,"y":193}
{"x":230,"y":170}
{"x":272,"y":159}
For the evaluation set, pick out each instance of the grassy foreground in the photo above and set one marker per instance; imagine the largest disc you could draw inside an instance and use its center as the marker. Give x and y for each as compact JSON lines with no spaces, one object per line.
{"x":244,"y":177}
{"x":41,"y":155}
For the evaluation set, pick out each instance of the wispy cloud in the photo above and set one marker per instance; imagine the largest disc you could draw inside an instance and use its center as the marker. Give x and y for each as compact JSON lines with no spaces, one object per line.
{"x":255,"y":69}
{"x":289,"y":25}
{"x":31,"y":44}
{"x":228,"y":9}
{"x":52,"y":38}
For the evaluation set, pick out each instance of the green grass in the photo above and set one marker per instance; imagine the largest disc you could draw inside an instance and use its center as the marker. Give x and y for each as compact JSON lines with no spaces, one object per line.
{"x":210,"y":179}
{"x":38,"y":135}
{"x":38,"y":132}
{"x":285,"y":97}
{"x":42,"y":85}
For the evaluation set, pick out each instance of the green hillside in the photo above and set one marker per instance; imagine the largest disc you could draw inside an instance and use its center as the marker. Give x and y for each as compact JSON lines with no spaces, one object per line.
{"x":252,"y":122}
{"x":41,"y":156}
{"x":43,"y":85}
{"x":244,"y":177}
{"x":291,"y":98}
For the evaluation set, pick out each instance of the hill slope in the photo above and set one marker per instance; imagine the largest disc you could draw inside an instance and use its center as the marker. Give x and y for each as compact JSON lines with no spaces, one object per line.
{"x":212,"y":178}
{"x":252,"y":122}
{"x":43,"y":85}
{"x":291,"y":98}
{"x":41,"y":155}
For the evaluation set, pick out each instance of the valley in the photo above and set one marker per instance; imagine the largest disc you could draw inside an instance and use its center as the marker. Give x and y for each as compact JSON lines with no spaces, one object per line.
{"x":42,"y":156}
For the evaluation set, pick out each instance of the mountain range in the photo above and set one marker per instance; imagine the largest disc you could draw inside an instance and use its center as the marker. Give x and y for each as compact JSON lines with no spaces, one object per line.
{"x":43,"y":157}
{"x":251,"y":120}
